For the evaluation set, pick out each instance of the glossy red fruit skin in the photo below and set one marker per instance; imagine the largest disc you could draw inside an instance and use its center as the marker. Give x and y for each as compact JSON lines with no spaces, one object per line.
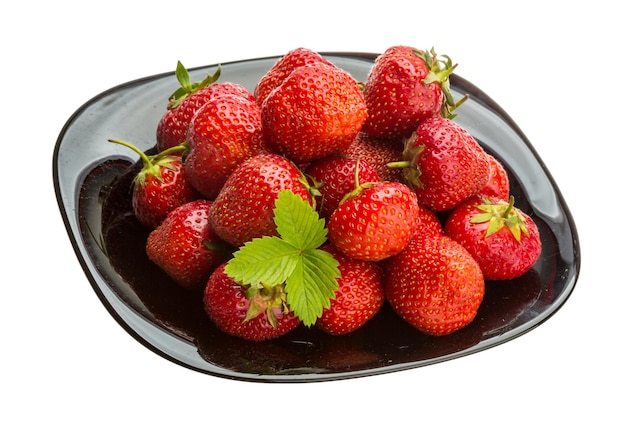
{"x":283,"y":68}
{"x":177,"y":245}
{"x":244,"y":208}
{"x":157,"y":196}
{"x":378,"y":153}
{"x":317,"y":111}
{"x":335,"y":176}
{"x":226,"y":304}
{"x":498,"y":185}
{"x":452,"y":165}
{"x":223,"y":133}
{"x":173,"y":125}
{"x":434,"y":284}
{"x":375,"y":224}
{"x":500,"y":255}
{"x":397,"y":98}
{"x":359,"y":297}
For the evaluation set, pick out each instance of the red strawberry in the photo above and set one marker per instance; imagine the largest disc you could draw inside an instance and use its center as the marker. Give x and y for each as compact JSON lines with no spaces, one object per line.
{"x":184,"y":245}
{"x":173,"y":125}
{"x":282,"y":68}
{"x":497,"y":186}
{"x":376,"y":222}
{"x":428,"y":223}
{"x":254,"y":315}
{"x":434,"y":284}
{"x":359,"y":297}
{"x":224,"y":132}
{"x":504,"y":240}
{"x":160,"y":186}
{"x":404,"y":87}
{"x":336,"y":178}
{"x":317,"y":111}
{"x":446,"y":164}
{"x":243,"y":210}
{"x":378,"y":153}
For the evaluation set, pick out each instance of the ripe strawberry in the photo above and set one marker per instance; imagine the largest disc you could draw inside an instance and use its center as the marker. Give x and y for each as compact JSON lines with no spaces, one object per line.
{"x":375,"y":222}
{"x":359,"y":297}
{"x":254,"y":315}
{"x":428,"y":223}
{"x":184,"y":245}
{"x":497,"y":186}
{"x":224,"y":132}
{"x":243,"y":210}
{"x":445,"y":164}
{"x":335,"y":177}
{"x":404,"y":87}
{"x":160,"y":186}
{"x":504,"y":240}
{"x":183,"y":104}
{"x":317,"y":111}
{"x":434,"y":284}
{"x":378,"y":153}
{"x":282,"y":68}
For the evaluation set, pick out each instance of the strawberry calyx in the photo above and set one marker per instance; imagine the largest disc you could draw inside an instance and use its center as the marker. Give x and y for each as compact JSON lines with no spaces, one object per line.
{"x":500,"y":214}
{"x":266,"y":299}
{"x":152,"y":164}
{"x":358,"y":186}
{"x":187,"y":87}
{"x":439,"y":71}
{"x":410,"y":155}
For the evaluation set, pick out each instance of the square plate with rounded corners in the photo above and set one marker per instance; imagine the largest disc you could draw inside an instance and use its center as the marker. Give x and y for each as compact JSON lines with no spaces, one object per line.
{"x":91,"y":178}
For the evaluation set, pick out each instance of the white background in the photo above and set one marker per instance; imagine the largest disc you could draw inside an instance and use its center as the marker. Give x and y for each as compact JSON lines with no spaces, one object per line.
{"x":556,"y":69}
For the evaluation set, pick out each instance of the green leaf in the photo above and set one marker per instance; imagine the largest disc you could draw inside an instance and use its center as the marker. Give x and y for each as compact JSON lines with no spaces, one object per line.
{"x":268,"y":259}
{"x":312,"y":285}
{"x":298,"y":223}
{"x":293,"y":258}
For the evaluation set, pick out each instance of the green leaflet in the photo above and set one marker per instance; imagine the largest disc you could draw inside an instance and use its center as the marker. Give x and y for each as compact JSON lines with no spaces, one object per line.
{"x":310,"y":274}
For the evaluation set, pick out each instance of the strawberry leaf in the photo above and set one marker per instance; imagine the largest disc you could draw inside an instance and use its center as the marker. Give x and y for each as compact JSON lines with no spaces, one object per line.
{"x":268,"y":259}
{"x":297,"y":223}
{"x":310,"y":274}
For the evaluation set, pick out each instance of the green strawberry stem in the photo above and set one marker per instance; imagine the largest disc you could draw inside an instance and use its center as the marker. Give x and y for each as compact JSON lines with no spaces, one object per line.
{"x":500,"y":214}
{"x":411,"y":153}
{"x":264,"y":300}
{"x":152,"y":163}
{"x":439,"y":73}
{"x":187,"y":87}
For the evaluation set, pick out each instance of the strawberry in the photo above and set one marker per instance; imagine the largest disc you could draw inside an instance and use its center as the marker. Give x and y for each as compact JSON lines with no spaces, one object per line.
{"x":224,"y":132}
{"x":445,"y":164}
{"x":434,"y":284}
{"x":378,"y":153}
{"x":183,"y":104}
{"x":374,"y":222}
{"x":335,"y":177}
{"x":254,"y":315}
{"x":504,"y":240}
{"x":282,"y":68}
{"x":243,"y":210}
{"x":160,"y":186}
{"x":404,"y":87}
{"x":317,"y":111}
{"x":428,"y":223}
{"x":498,"y":184}
{"x":184,"y":245}
{"x":359,"y":297}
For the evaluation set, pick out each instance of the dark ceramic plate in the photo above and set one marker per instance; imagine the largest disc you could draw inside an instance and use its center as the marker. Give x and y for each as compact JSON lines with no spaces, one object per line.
{"x":91,"y":178}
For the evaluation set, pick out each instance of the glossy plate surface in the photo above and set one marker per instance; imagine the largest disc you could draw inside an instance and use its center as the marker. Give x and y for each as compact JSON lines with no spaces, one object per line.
{"x":91,"y":178}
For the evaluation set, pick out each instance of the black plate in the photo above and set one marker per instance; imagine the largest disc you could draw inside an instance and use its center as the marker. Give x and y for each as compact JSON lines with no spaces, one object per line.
{"x":91,"y":178}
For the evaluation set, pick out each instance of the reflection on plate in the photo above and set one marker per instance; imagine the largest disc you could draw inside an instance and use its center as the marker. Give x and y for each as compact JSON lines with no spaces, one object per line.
{"x":91,"y":180}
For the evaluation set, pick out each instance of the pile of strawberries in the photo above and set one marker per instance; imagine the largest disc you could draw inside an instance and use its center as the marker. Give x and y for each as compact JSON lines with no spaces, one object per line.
{"x":315,"y":199}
